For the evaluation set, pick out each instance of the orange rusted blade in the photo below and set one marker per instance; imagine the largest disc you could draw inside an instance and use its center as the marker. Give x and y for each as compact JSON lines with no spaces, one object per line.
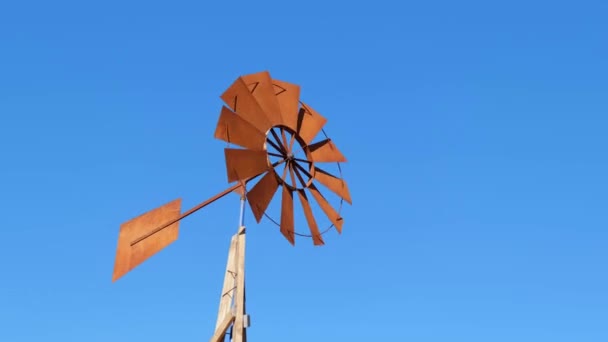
{"x":260,"y":86}
{"x":325,"y":151}
{"x":234,"y":129}
{"x":331,"y":213}
{"x":243,"y":164}
{"x":309,"y":124}
{"x":261,"y":194}
{"x":333,"y":183}
{"x":312,"y":224}
{"x":287,"y":224}
{"x":240,"y":100}
{"x":129,"y":256}
{"x":288,"y":96}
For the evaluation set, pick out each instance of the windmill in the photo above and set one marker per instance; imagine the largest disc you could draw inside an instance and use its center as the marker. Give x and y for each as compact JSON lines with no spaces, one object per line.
{"x":274,"y":133}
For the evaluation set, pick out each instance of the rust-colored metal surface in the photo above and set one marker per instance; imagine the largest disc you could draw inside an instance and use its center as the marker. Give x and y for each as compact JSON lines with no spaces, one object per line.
{"x":147,"y":234}
{"x":312,"y":223}
{"x":310,"y":123}
{"x":331,"y":213}
{"x":287,"y":157}
{"x":243,"y":164}
{"x":233,"y":129}
{"x":326,"y":152}
{"x":288,"y":96}
{"x":262,"y":89}
{"x":129,"y":255}
{"x":261,"y":194}
{"x":335,"y":184}
{"x":241,"y":101}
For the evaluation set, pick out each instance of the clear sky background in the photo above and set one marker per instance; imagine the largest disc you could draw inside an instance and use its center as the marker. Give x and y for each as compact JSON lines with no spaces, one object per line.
{"x":476,"y":139}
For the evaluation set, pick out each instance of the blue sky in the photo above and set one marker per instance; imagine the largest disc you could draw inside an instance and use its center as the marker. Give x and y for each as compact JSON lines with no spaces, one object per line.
{"x":476,"y":139}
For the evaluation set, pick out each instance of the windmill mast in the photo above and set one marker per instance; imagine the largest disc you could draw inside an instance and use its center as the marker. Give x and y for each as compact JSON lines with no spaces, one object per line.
{"x":231,"y":316}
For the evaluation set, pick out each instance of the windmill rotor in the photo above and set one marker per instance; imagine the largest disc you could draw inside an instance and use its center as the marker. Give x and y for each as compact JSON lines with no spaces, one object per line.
{"x":275,"y":131}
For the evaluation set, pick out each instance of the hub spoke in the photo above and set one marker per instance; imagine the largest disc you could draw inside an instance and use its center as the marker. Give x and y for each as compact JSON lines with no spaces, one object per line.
{"x":283,"y":147}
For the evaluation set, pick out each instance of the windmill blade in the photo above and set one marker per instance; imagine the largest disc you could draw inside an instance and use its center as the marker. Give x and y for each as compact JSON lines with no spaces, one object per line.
{"x":325,"y":151}
{"x":287,"y":221}
{"x":234,"y":129}
{"x":243,"y":164}
{"x":129,"y":254}
{"x":240,"y":100}
{"x":317,"y":239}
{"x":331,"y":213}
{"x":288,"y":96}
{"x":260,"y":86}
{"x":309,"y":124}
{"x":333,"y":183}
{"x":261,"y":194}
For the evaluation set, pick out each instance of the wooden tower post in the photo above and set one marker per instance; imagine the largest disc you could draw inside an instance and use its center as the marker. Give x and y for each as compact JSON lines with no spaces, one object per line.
{"x":231,"y":313}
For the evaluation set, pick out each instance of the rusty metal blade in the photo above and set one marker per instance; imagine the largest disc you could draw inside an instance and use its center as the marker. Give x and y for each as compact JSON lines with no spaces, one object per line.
{"x":325,"y":151}
{"x":242,"y":164}
{"x":234,"y":129}
{"x":261,"y":194}
{"x":331,"y":213}
{"x":317,"y":239}
{"x":261,"y":87}
{"x":241,"y":101}
{"x":333,"y":183}
{"x":287,"y":222}
{"x":309,"y":123}
{"x":130,"y":256}
{"x":288,"y":96}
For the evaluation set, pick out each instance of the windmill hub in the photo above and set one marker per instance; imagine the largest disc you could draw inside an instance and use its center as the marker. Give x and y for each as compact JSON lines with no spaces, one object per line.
{"x":290,"y":157}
